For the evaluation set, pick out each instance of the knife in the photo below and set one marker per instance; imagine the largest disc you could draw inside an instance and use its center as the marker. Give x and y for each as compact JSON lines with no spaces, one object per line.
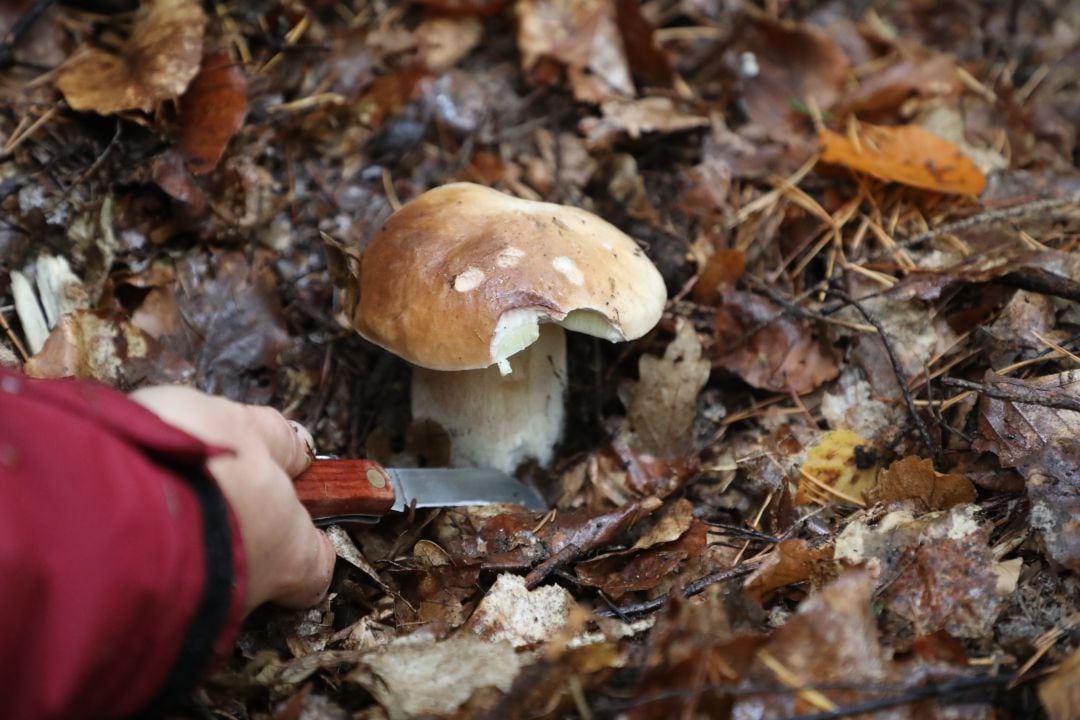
{"x":356,"y":490}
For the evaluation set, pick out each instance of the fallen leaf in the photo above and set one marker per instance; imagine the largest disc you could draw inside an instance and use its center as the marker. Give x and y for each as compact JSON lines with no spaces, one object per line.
{"x":107,"y":348}
{"x":156,"y":63}
{"x":906,"y":154}
{"x":793,"y":65}
{"x":918,"y":72}
{"x":1060,"y":693}
{"x":211,"y":112}
{"x":914,"y":478}
{"x":1015,"y":431}
{"x":724,"y":268}
{"x":446,"y":40}
{"x":347,"y":551}
{"x":939,"y":566}
{"x":793,"y":561}
{"x":663,"y":407}
{"x":512,"y":613}
{"x":635,"y":118}
{"x":623,"y":571}
{"x":418,"y":676}
{"x":671,"y":524}
{"x":831,"y":640}
{"x":582,"y":37}
{"x":647,"y":61}
{"x":833,"y":470}
{"x":170,"y":173}
{"x":767,"y":349}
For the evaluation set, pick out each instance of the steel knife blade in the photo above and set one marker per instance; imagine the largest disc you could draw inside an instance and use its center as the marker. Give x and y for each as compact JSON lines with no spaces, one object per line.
{"x":359,"y":490}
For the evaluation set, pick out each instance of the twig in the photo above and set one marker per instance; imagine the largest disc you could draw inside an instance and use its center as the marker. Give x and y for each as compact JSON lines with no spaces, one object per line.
{"x":19,"y":347}
{"x":1023,"y":395}
{"x":1042,"y":282}
{"x":692,"y":589}
{"x":898,"y":370}
{"x":18,"y":29}
{"x":990,"y":217}
{"x":950,"y":687}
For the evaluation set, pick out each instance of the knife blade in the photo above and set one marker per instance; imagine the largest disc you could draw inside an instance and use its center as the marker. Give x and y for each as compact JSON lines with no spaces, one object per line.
{"x":359,"y":490}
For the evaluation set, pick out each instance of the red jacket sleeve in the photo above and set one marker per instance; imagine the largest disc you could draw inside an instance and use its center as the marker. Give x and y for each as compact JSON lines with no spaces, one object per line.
{"x":122,"y":573}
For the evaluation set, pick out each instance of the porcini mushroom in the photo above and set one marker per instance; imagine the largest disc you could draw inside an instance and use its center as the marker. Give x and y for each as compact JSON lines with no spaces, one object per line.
{"x":474,"y":288}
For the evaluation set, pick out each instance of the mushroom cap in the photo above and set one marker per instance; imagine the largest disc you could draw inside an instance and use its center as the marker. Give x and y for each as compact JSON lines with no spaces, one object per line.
{"x":460,"y":277}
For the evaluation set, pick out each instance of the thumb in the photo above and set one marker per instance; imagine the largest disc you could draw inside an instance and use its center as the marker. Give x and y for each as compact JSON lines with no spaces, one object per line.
{"x":309,"y":571}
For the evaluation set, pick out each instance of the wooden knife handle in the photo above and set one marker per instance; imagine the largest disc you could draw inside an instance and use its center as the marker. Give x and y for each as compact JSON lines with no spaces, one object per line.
{"x":345,"y":487}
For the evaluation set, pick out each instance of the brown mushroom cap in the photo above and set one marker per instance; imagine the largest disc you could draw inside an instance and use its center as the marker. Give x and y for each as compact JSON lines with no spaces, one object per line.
{"x":460,"y":276}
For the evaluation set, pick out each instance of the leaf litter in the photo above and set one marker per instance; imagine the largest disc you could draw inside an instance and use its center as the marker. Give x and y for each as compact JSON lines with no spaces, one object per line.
{"x":866,"y":217}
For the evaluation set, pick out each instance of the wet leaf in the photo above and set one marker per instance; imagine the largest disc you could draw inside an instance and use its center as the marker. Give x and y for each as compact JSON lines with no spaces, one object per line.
{"x":664,"y":404}
{"x":512,"y":613}
{"x":635,"y":118}
{"x":793,"y":64}
{"x":418,"y":676}
{"x":211,"y":112}
{"x":1060,"y":693}
{"x":833,"y":471}
{"x":768,"y":349}
{"x":625,"y":571}
{"x":914,"y":478}
{"x":939,"y":568}
{"x":906,"y":154}
{"x":832,"y":639}
{"x":793,"y":561}
{"x":106,"y":348}
{"x":156,"y":63}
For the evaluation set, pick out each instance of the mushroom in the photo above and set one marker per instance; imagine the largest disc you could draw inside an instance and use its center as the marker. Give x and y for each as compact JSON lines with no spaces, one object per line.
{"x":474,"y":288}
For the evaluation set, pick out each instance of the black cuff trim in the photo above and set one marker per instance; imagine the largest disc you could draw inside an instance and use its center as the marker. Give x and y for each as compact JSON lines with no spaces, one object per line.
{"x":210,"y":617}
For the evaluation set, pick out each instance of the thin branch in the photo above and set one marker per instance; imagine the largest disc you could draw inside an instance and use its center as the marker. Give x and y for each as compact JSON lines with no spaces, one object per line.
{"x":898,"y":370}
{"x":1021,"y":394}
{"x":692,"y":589}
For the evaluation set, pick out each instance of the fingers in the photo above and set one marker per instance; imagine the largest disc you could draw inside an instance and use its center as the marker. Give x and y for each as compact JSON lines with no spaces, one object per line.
{"x":290,"y":448}
{"x":225,"y":423}
{"x":314,"y":570}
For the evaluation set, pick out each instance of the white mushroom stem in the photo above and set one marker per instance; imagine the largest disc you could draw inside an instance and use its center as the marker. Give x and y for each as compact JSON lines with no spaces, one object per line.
{"x":496,"y":420}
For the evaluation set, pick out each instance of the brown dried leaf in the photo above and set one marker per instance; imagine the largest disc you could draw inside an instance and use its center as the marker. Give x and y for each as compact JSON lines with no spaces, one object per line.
{"x":107,"y":348}
{"x":796,"y":64}
{"x":767,"y":349}
{"x":580,"y":35}
{"x":511,"y":612}
{"x":156,"y":63}
{"x":792,"y":562}
{"x":831,"y":640}
{"x":664,"y":405}
{"x":446,"y":40}
{"x":638,"y":117}
{"x":624,"y":571}
{"x":914,"y":478}
{"x":211,"y":112}
{"x":1015,"y":431}
{"x":1060,"y":693}
{"x":647,"y":61}
{"x":673,"y":522}
{"x":940,"y":567}
{"x":921,"y":72}
{"x":418,"y":676}
{"x":723,"y":268}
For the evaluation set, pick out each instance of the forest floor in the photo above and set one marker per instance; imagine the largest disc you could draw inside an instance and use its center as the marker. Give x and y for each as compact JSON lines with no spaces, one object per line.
{"x":840,"y":478}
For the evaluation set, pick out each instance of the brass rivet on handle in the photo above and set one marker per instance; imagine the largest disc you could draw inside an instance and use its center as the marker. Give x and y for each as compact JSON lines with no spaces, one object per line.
{"x":376,"y":478}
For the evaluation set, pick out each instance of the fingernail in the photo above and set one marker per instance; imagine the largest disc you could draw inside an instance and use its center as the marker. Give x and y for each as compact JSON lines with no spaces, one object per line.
{"x":305,"y":436}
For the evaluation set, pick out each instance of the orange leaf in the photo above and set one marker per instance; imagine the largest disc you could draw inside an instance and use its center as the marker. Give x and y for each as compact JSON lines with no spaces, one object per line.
{"x":905,"y":154}
{"x":211,"y":112}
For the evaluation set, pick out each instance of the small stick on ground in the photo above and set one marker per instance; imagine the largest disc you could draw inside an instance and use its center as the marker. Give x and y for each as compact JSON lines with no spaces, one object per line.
{"x":898,"y":370}
{"x":990,"y":217}
{"x":1012,"y":393}
{"x":692,"y":589}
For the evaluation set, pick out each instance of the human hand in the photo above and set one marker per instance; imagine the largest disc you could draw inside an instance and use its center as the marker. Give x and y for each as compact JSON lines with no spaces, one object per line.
{"x":290,"y":562}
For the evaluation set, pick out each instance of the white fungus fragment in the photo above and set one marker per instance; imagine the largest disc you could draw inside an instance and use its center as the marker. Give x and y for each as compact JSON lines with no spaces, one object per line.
{"x":469,"y":280}
{"x":568,"y":269}
{"x":509,"y":257}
